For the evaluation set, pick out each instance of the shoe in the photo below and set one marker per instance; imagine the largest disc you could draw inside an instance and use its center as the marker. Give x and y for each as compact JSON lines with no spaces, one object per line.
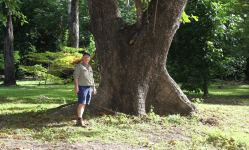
{"x":80,"y":122}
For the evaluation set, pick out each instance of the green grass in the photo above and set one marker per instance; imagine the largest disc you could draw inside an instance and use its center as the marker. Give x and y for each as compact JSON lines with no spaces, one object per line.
{"x":229,"y":90}
{"x":22,"y":115}
{"x":226,"y":93}
{"x":31,"y":92}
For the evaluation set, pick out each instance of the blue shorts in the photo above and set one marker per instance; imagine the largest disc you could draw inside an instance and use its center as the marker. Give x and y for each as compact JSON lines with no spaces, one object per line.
{"x":85,"y":95}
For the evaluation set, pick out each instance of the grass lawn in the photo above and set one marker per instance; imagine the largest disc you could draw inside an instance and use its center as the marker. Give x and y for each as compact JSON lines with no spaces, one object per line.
{"x":223,"y":123}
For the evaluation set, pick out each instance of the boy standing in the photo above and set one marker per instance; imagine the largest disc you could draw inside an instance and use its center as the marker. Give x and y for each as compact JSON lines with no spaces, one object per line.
{"x":84,"y":85}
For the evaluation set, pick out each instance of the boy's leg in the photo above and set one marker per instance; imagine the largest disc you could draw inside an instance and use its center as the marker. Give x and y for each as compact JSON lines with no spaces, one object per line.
{"x":81,"y":105}
{"x":80,"y":110}
{"x":89,"y":96}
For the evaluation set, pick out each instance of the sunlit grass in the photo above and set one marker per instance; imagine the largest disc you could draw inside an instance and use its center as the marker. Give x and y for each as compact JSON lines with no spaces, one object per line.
{"x":31,"y":92}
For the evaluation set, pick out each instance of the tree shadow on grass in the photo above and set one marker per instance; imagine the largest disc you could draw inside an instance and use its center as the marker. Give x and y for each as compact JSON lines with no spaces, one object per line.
{"x":55,"y":117}
{"x":228,"y":100}
{"x":39,"y":100}
{"x":242,"y":100}
{"x":31,"y":120}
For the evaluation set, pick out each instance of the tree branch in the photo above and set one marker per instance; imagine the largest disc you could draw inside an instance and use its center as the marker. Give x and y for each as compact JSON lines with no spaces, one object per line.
{"x":104,"y":15}
{"x":163,"y":14}
{"x":139,"y":11}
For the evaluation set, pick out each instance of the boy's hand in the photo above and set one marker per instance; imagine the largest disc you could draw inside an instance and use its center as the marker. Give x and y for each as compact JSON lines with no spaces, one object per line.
{"x":94,"y":91}
{"x":76,"y":90}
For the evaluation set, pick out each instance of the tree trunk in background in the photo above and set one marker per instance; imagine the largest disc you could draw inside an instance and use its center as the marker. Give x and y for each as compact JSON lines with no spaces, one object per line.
{"x":74,"y":24}
{"x":133,"y":59}
{"x":69,"y":9}
{"x":247,"y":69}
{"x":205,"y":87}
{"x":139,"y":11}
{"x":9,"y":66}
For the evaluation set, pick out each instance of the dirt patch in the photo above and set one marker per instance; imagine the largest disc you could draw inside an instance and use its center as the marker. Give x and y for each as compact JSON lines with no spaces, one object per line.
{"x":26,"y":144}
{"x":167,"y":135}
{"x":210,"y":121}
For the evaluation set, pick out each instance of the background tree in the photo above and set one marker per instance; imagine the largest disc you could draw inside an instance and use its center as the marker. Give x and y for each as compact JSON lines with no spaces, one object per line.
{"x":9,"y":67}
{"x":9,"y":9}
{"x":46,"y":29}
{"x":74,"y":24}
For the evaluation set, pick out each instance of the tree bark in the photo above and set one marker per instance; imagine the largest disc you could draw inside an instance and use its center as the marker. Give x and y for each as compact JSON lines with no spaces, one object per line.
{"x":132,"y":60}
{"x":9,"y":66}
{"x":74,"y":24}
{"x":247,"y":69}
{"x":205,"y":87}
{"x":139,"y":11}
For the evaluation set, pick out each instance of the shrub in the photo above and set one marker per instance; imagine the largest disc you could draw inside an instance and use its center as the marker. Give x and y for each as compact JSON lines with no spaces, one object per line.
{"x":40,"y":72}
{"x":224,"y":142}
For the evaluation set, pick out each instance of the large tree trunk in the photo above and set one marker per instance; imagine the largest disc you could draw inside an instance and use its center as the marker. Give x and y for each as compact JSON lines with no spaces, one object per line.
{"x":133,"y":58}
{"x":74,"y":24}
{"x":9,"y":66}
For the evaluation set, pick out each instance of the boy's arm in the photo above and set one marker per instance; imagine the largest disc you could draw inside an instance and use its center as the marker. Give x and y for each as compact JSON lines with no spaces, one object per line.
{"x":76,"y":75}
{"x":94,"y":88}
{"x":76,"y":86}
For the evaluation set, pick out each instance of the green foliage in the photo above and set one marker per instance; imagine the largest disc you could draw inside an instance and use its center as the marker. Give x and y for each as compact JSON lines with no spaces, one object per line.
{"x":84,"y":21}
{"x":66,"y":49}
{"x":63,"y":66}
{"x":197,"y":100}
{"x":60,"y":64}
{"x":153,"y":117}
{"x":128,"y":11}
{"x":94,"y":61}
{"x":47,"y":22}
{"x":41,"y":58}
{"x":41,"y":73}
{"x":211,"y":47}
{"x":175,"y":119}
{"x":91,"y":48}
{"x":232,"y":68}
{"x":14,"y":8}
{"x":187,"y":19}
{"x":16,"y":60}
{"x":52,"y":65}
{"x":220,"y":140}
